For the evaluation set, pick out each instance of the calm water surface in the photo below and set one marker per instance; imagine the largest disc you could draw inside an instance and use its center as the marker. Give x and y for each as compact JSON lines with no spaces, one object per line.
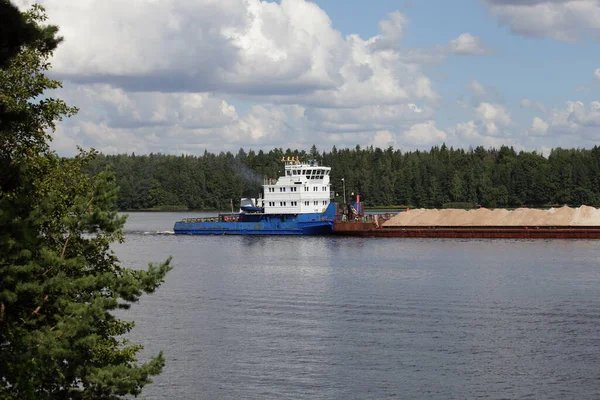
{"x":367,"y":318}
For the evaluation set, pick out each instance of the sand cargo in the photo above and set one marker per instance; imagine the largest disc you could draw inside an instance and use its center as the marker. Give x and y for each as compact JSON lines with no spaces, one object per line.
{"x":523,"y":223}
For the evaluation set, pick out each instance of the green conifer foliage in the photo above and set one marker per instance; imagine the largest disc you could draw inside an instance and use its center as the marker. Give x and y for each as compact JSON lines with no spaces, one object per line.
{"x":59,"y":280}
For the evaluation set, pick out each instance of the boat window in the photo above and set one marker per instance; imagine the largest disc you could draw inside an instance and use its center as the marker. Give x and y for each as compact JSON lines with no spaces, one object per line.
{"x":288,"y":172}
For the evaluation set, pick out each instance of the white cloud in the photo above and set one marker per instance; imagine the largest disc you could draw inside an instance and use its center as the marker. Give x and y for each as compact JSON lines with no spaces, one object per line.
{"x":112,"y":120}
{"x":415,"y":108}
{"x":423,"y":89}
{"x":467,"y":44}
{"x":488,"y":128}
{"x":425,"y":133}
{"x":121,"y":109}
{"x":575,"y":119}
{"x":584,"y":117}
{"x":384,"y":139}
{"x":538,"y":127}
{"x":190,"y":75}
{"x":575,"y":125}
{"x":166,"y":75}
{"x":597,"y":74}
{"x":262,"y":124}
{"x":477,"y":133}
{"x":466,"y":130}
{"x":480,"y":93}
{"x":228,"y":45}
{"x":112,"y":39}
{"x":285,"y":52}
{"x":392,"y":30}
{"x":476,"y":88}
{"x":532,"y":105}
{"x":493,"y":114}
{"x":565,"y":20}
{"x":434,"y":55}
{"x":367,"y":118}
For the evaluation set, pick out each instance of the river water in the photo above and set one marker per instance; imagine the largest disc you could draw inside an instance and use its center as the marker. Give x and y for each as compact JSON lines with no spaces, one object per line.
{"x":367,"y":318}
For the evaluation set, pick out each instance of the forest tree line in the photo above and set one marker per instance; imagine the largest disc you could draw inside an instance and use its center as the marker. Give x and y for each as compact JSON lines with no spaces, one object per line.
{"x":440,"y":177}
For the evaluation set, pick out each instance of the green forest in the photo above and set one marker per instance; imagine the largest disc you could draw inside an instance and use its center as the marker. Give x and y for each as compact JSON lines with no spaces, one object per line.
{"x":440,"y":177}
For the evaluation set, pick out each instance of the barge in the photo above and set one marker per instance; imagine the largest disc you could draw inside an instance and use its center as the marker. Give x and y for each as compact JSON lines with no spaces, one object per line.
{"x":370,"y":229}
{"x":374,"y":225}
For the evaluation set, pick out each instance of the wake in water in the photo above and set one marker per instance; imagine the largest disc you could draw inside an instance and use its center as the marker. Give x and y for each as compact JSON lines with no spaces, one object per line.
{"x":151,"y":233}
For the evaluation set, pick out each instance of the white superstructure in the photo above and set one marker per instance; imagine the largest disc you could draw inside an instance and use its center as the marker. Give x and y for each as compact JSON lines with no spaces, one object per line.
{"x":303,"y":188}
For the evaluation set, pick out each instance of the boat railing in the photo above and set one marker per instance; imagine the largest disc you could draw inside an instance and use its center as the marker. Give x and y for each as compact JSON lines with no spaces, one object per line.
{"x":220,"y":218}
{"x":376,"y":219}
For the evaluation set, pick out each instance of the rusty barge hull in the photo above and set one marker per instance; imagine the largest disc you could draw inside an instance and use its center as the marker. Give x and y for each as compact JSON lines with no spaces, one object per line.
{"x":369,"y":229}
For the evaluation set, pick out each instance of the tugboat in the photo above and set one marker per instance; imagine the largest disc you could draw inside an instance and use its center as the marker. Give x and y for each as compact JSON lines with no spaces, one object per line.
{"x":297,"y":203}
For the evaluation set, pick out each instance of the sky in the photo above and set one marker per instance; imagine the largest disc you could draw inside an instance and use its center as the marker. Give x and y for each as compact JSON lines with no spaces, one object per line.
{"x":188,"y":76}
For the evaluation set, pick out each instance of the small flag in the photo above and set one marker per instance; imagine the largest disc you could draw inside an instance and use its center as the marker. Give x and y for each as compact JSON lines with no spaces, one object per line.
{"x":230,"y":202}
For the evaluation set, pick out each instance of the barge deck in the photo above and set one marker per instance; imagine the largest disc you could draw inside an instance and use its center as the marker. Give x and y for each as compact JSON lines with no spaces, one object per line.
{"x":374,"y":229}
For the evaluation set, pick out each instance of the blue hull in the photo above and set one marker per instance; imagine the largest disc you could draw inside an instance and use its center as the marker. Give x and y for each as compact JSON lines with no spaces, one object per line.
{"x":262,"y":224}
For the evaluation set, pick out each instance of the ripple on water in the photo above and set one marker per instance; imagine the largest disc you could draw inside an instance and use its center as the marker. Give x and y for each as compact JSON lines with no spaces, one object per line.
{"x":323,"y":318}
